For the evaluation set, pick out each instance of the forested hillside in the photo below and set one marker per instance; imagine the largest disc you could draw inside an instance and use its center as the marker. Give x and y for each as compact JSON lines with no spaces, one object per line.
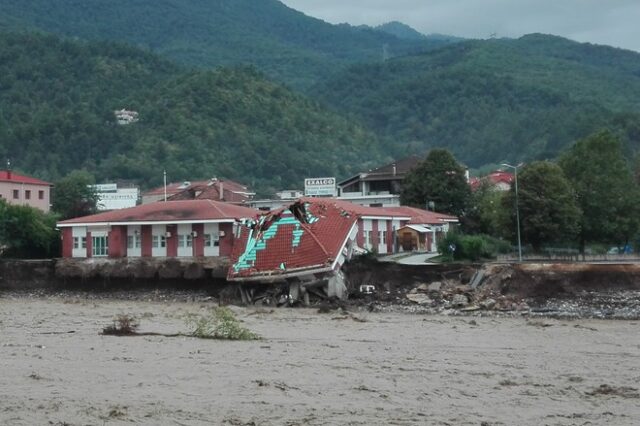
{"x":57,"y":100}
{"x":283,"y":43}
{"x":494,"y":100}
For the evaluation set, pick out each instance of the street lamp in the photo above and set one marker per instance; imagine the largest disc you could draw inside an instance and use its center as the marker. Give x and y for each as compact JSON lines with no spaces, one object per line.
{"x":515,"y":170}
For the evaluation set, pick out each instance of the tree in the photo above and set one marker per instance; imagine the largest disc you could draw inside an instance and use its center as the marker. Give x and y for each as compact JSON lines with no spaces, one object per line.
{"x":606,"y":192}
{"x":549,"y":211}
{"x":486,"y":213}
{"x":26,"y":232}
{"x":73,"y":195}
{"x":440,"y":180}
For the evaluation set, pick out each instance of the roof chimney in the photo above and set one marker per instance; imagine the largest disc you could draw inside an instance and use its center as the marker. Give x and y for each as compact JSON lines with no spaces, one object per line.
{"x":8,"y":169}
{"x":221,"y":191}
{"x":394,"y":169}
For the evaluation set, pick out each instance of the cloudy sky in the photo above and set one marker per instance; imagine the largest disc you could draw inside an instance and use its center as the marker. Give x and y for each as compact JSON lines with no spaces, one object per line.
{"x":612,"y":22}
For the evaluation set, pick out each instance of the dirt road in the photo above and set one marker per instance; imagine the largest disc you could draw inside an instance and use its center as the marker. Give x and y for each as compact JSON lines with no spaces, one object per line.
{"x":311,"y":369}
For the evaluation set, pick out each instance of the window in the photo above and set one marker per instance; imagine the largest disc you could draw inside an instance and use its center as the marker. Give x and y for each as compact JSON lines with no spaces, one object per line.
{"x":380,"y":239}
{"x":159,"y":241}
{"x":368,"y":236}
{"x":16,"y":194}
{"x":384,"y":237}
{"x":211,"y":240}
{"x":27,"y":194}
{"x":133,"y":242}
{"x":41,"y":195}
{"x":100,"y":246}
{"x":185,"y":240}
{"x":79,"y":242}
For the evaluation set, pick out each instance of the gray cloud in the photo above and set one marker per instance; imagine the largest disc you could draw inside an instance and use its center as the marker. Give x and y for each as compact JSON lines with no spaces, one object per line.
{"x":612,"y":22}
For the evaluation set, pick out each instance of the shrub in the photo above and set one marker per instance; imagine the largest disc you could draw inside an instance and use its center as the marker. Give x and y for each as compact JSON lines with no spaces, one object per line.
{"x":123,"y":325}
{"x":471,"y":247}
{"x":219,"y":324}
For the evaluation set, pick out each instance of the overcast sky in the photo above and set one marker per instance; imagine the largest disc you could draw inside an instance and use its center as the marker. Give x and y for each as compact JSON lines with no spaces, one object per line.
{"x":612,"y":22}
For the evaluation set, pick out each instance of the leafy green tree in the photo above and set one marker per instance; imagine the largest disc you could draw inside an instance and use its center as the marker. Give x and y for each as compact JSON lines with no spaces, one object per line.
{"x":440,"y":180}
{"x":486,"y":213}
{"x":549,"y":212}
{"x":26,"y":232}
{"x":606,"y":192}
{"x":73,"y":195}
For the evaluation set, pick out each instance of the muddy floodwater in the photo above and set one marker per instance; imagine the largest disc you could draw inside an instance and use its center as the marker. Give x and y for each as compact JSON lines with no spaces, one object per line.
{"x":311,"y":368}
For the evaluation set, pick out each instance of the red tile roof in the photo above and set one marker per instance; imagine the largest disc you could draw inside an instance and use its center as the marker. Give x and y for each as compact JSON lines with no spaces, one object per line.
{"x":420,"y":216}
{"x":494,"y":178}
{"x":232,"y":192}
{"x":174,"y":188}
{"x":174,"y":211}
{"x":357,"y":209}
{"x":6,"y":176}
{"x":281,"y":243}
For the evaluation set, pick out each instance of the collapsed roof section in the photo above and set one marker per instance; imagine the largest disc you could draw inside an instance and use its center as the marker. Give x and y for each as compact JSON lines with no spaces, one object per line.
{"x":312,"y":236}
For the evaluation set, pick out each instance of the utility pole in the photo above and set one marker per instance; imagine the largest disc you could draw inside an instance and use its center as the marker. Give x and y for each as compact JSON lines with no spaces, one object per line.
{"x":515,"y":171}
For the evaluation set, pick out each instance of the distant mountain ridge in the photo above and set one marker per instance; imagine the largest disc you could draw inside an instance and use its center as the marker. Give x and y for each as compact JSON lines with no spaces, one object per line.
{"x":283,"y":43}
{"x":494,"y":100}
{"x":405,"y":32}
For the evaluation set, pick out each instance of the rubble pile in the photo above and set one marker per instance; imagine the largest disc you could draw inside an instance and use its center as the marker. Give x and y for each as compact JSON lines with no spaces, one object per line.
{"x":515,"y":290}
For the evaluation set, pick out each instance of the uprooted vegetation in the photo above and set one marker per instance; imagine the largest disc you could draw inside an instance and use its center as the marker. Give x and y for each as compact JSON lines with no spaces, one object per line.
{"x":123,"y":325}
{"x":220,"y":323}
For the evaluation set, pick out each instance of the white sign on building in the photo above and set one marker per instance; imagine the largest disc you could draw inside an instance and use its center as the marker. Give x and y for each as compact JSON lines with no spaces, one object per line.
{"x":110,"y":197}
{"x":320,"y":187}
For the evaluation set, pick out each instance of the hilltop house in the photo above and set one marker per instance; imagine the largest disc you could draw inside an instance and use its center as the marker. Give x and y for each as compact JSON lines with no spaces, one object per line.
{"x":24,"y":190}
{"x":498,"y":179}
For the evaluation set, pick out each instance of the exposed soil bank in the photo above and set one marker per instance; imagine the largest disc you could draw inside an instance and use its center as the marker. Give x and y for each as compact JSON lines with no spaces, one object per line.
{"x":107,"y":274}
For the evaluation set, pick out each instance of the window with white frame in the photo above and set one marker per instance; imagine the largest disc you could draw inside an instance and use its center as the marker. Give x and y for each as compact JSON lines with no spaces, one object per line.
{"x":212,"y":240}
{"x":159,"y":241}
{"x":384,"y":237}
{"x":79,"y":242}
{"x":133,"y":241}
{"x":100,"y":247}
{"x":185,"y":240}
{"x":368,"y":236}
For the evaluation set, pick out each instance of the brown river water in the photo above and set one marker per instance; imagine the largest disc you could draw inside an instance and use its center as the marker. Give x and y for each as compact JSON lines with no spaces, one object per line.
{"x":311,"y":369}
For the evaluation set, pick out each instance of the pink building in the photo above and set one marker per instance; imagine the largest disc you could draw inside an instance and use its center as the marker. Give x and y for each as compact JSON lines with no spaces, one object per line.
{"x":24,"y":190}
{"x":193,"y":228}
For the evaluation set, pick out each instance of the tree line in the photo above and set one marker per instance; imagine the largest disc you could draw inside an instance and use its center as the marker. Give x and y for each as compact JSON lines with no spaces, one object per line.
{"x":589,"y":195}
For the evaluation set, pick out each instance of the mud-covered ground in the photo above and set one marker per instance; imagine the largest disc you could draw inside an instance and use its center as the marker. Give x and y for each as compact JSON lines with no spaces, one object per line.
{"x":360,"y":368}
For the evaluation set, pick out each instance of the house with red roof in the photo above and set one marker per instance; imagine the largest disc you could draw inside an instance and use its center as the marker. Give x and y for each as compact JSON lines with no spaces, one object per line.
{"x":212,"y":189}
{"x":498,"y":179}
{"x":189,"y":228}
{"x":25,"y":190}
{"x":313,"y":237}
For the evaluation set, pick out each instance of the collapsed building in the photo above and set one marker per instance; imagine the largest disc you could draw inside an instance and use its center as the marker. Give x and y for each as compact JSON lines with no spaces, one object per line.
{"x":303,"y":245}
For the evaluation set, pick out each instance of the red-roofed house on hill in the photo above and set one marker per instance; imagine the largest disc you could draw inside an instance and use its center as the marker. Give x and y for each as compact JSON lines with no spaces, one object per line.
{"x":192,"y":228}
{"x":213,"y":189}
{"x":24,"y":190}
{"x":498,"y":179}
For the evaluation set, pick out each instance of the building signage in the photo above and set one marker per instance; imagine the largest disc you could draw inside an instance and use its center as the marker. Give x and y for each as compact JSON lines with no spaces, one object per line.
{"x":110,"y":197}
{"x":320,"y":187}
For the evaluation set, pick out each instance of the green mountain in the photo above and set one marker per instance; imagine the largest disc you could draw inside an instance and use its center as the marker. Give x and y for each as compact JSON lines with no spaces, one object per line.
{"x":494,"y":100}
{"x":57,"y":103}
{"x":283,"y":43}
{"x":400,"y":30}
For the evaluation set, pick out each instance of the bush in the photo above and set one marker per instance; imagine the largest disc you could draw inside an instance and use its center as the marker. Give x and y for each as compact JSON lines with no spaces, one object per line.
{"x":456,"y":246}
{"x":219,"y":324}
{"x":123,"y":325}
